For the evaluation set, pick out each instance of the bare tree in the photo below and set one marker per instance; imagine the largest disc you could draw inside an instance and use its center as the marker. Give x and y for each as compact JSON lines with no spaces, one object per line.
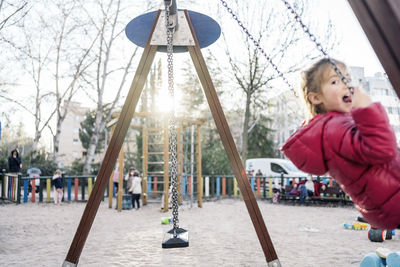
{"x":11,"y":12}
{"x":78,"y":61}
{"x":281,"y":38}
{"x":110,"y":29}
{"x":54,"y":52}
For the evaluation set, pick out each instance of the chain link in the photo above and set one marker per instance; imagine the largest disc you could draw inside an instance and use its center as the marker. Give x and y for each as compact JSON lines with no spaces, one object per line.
{"x":258,"y":46}
{"x":312,"y":37}
{"x":170,"y":27}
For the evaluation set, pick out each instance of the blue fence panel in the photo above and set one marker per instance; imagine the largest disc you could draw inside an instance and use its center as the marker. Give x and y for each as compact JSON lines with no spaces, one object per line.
{"x":252,"y":183}
{"x":26,"y":190}
{"x":184,"y":182}
{"x":149,"y":186}
{"x":69,"y":184}
{"x":218,"y":189}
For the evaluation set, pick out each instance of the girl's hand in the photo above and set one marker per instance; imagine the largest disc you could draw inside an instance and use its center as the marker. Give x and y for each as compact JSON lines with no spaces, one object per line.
{"x":360,"y":98}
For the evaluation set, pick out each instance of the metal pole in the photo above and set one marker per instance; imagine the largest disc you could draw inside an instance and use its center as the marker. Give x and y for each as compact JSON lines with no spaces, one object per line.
{"x":191,"y":163}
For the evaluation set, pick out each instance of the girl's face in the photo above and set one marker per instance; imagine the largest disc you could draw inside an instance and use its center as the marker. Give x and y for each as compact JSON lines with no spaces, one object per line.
{"x":334,"y":95}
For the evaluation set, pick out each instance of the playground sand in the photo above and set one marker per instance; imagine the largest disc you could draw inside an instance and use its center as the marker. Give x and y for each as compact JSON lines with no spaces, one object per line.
{"x":220,"y":234}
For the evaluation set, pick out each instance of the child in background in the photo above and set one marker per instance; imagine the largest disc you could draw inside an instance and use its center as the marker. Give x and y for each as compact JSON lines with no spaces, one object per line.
{"x":116,"y":179}
{"x":351,"y":138}
{"x":58,"y":187}
{"x":136,"y":189}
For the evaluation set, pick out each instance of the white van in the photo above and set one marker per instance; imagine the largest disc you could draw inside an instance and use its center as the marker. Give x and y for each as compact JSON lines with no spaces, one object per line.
{"x":273,"y":167}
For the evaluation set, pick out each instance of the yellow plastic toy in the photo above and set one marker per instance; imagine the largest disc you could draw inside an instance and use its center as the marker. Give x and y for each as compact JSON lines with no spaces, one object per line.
{"x":356,"y":226}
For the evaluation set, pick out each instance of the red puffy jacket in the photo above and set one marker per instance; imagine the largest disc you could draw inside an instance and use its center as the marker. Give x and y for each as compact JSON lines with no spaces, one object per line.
{"x":359,"y":151}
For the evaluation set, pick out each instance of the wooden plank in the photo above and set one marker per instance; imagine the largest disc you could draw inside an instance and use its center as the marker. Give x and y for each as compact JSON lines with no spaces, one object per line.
{"x":380,"y":20}
{"x":112,"y":152}
{"x":231,"y":150}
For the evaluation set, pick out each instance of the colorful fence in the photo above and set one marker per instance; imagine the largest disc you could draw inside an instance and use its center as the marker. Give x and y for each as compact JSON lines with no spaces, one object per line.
{"x":218,"y":186}
{"x":78,"y":188}
{"x":10,"y":183}
{"x":40,"y":189}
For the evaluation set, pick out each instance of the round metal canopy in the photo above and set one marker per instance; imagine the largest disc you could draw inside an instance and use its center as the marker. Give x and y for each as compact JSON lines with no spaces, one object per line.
{"x":207,"y":30}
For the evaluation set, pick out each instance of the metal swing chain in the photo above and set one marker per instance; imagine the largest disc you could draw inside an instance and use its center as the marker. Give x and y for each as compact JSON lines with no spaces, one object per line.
{"x":172,"y":122}
{"x":258,"y":46}
{"x":312,"y":37}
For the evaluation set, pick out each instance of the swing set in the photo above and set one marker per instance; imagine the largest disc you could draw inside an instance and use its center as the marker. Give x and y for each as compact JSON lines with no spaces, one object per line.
{"x":172,"y":31}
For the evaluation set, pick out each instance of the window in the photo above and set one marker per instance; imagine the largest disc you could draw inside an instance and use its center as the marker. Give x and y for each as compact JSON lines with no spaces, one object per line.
{"x":277,"y":168}
{"x":76,"y":130}
{"x":77,"y":117}
{"x":75,"y":141}
{"x":75,"y":154}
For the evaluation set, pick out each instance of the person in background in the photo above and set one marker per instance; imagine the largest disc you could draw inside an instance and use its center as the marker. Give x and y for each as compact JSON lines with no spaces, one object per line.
{"x":14,"y":162}
{"x":58,"y":187}
{"x":323,"y":190}
{"x":129,"y":180}
{"x":294,"y":191}
{"x":306,"y":190}
{"x":116,"y":178}
{"x":136,"y":189}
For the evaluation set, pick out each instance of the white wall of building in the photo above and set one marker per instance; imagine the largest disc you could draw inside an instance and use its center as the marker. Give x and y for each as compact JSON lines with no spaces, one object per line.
{"x":70,"y":144}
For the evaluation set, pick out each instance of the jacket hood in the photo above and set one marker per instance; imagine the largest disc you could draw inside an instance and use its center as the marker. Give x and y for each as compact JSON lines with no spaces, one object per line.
{"x":305,"y":147}
{"x":14,"y":150}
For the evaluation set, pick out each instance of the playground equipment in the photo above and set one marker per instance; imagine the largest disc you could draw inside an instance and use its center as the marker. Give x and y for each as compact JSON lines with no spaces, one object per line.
{"x":379,"y":235}
{"x":356,"y":226}
{"x":376,"y":15}
{"x":123,"y":124}
{"x":155,"y":155}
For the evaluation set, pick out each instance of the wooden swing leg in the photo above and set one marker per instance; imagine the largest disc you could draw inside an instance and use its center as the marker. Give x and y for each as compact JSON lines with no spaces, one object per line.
{"x":231,"y":150}
{"x":110,"y":157}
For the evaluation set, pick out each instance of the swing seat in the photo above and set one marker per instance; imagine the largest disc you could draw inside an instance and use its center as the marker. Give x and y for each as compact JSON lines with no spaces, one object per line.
{"x":180,"y":241}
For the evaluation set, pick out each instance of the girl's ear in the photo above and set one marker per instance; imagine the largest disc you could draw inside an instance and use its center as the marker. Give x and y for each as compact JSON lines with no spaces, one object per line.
{"x":314,"y":98}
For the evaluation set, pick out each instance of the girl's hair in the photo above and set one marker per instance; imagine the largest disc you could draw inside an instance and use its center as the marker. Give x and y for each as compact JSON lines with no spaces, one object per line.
{"x":312,"y":79}
{"x":58,"y":172}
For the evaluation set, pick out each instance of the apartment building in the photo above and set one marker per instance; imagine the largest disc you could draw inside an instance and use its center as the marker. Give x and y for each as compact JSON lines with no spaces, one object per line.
{"x":70,"y":145}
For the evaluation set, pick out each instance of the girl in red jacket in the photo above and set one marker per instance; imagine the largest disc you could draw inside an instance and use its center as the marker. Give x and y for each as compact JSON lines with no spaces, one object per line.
{"x":349,"y":137}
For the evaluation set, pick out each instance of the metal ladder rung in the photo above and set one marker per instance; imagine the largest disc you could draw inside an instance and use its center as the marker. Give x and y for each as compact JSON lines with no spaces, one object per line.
{"x":156,"y":162}
{"x":155,"y":144}
{"x":160,"y":172}
{"x":155,"y":129}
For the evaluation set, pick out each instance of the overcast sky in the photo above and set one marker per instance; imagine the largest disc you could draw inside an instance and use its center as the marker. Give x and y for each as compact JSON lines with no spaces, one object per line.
{"x":355,"y":49}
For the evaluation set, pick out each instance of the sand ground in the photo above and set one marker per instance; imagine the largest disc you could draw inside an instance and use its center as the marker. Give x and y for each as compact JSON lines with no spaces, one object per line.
{"x":220,"y":234}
